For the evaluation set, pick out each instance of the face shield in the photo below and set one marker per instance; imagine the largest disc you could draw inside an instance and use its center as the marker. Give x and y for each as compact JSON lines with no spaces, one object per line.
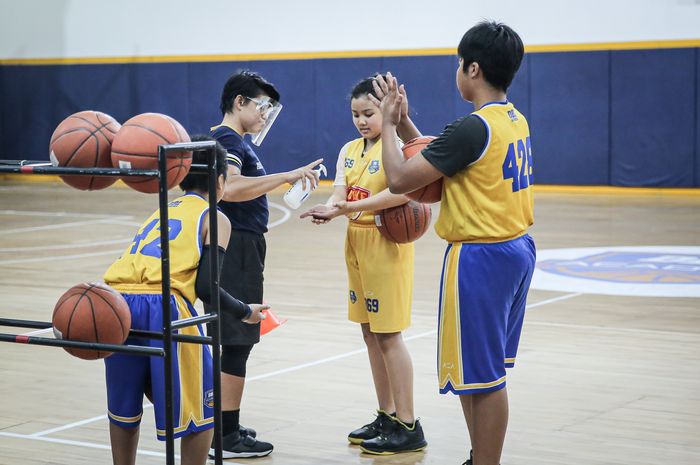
{"x":269,"y":109}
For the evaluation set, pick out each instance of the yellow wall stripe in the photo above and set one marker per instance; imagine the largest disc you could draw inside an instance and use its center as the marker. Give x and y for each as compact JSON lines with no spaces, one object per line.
{"x":582,"y":47}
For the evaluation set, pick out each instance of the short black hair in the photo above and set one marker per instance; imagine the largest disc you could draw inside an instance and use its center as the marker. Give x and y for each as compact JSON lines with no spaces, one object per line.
{"x":365,"y":87}
{"x":497,"y":48}
{"x":248,"y":84}
{"x":199,"y":182}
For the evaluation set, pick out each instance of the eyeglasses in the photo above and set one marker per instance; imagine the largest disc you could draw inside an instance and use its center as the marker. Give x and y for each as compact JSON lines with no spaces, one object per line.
{"x":263,"y":106}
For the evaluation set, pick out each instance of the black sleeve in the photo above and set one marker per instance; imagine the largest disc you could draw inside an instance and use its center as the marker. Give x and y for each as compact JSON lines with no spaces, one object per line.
{"x":460,"y":144}
{"x":202,"y":286}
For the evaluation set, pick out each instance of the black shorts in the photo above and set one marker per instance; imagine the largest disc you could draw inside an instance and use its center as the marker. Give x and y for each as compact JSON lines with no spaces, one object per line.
{"x":242,"y":277}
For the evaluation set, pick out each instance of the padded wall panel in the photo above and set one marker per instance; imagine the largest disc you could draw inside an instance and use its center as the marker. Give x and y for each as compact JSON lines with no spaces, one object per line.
{"x":652,"y":117}
{"x":697,"y":118}
{"x":569,"y":117}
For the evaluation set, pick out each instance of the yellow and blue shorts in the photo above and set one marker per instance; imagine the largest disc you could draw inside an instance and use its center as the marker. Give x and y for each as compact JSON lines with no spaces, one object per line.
{"x":380,"y":279}
{"x":129,"y":377}
{"x":483,"y":292}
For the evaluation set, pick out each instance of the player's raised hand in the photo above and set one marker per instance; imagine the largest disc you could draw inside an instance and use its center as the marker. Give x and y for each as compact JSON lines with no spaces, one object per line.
{"x":306,"y":173}
{"x":392,"y":101}
{"x":381,"y":88}
{"x":256,"y":316}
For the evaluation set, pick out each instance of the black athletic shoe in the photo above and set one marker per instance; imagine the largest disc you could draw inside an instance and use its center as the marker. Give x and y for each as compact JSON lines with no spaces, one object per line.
{"x":371,"y":430}
{"x":400,"y":438}
{"x":250,"y":431}
{"x":237,"y":446}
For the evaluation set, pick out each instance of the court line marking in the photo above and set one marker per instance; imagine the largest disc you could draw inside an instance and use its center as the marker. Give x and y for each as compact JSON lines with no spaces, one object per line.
{"x":63,"y":214}
{"x":612,"y":329}
{"x":286,"y":214}
{"x":53,"y":226}
{"x":77,"y":245}
{"x":60,"y":257}
{"x":552,"y":300}
{"x":38,"y":331}
{"x":90,"y":445}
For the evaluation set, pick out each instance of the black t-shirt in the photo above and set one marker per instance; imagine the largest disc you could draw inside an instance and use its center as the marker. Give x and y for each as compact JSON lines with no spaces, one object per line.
{"x":251,"y":215}
{"x":460,"y":144}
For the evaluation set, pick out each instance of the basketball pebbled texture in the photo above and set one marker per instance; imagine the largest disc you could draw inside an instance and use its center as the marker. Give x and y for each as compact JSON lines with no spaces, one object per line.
{"x":84,"y":140}
{"x":91,"y":312}
{"x":404,"y":223}
{"x":135,"y":146}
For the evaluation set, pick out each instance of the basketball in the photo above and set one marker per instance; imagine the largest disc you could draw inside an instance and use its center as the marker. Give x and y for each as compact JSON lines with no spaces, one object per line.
{"x":432,"y":192}
{"x":91,"y":312}
{"x":136,"y":147}
{"x":404,"y":223}
{"x":84,"y":140}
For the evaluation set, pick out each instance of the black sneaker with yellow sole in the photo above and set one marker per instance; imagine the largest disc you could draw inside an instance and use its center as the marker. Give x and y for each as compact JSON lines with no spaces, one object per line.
{"x":371,"y":430}
{"x":400,"y":438}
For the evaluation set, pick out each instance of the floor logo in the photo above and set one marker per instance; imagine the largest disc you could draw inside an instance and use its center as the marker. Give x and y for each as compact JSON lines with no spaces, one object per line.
{"x":643,"y":271}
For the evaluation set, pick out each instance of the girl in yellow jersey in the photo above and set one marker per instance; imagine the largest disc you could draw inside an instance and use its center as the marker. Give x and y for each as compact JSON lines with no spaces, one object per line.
{"x":137,"y":275}
{"x":485,"y":161}
{"x":380,"y":277}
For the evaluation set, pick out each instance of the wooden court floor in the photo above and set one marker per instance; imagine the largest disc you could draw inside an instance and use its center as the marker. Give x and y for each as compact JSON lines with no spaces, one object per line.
{"x":600,"y":379}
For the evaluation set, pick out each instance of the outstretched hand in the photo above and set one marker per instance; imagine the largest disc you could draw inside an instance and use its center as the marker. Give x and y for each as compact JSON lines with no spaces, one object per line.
{"x":322,"y":213}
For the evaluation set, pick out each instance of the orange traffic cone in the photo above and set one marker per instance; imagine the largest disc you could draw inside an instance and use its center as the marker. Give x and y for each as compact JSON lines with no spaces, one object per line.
{"x":270,"y":322}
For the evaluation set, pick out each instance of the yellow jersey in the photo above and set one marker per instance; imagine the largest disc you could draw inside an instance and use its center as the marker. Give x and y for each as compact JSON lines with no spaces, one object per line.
{"x":491,"y":199}
{"x":138,"y":270}
{"x":364,"y":176}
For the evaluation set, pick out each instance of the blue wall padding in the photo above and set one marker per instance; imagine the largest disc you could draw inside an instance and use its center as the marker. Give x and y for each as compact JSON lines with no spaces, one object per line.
{"x":697,"y":117}
{"x":627,"y":118}
{"x":653,"y":117}
{"x":569,"y":117}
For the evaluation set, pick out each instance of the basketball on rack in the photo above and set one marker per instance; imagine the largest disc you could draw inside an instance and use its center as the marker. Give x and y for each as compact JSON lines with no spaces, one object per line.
{"x":91,"y":312}
{"x":84,"y":140}
{"x":404,"y":223}
{"x":136,"y":147}
{"x":432,"y":192}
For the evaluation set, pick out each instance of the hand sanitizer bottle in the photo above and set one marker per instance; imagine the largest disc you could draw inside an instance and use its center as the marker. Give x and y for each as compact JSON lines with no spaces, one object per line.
{"x":297,"y":194}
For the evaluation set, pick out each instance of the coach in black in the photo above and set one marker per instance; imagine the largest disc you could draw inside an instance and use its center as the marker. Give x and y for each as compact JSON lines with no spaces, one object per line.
{"x":249,"y":105}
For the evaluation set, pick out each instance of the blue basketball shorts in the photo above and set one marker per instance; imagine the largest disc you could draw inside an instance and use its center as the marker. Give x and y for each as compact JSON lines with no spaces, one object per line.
{"x":129,"y":377}
{"x":483,"y":293}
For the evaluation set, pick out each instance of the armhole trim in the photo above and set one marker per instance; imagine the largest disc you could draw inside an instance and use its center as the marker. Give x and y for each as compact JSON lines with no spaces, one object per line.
{"x":488,"y":139}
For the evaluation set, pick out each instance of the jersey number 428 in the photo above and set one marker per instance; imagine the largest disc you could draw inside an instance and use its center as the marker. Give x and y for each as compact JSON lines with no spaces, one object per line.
{"x":518,"y":168}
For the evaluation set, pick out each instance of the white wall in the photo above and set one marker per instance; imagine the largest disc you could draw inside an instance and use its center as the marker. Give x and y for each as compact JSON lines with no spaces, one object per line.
{"x":124,"y":28}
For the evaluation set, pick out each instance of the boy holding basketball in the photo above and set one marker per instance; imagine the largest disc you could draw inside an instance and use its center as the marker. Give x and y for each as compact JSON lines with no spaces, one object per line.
{"x":137,"y":275}
{"x":380,"y":278}
{"x":249,"y":105}
{"x":485,"y":162}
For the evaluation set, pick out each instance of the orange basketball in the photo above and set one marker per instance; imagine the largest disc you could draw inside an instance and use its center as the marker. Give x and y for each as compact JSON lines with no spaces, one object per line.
{"x":404,"y":223}
{"x":84,"y":140}
{"x":91,"y":312}
{"x":432,"y":192}
{"x":136,"y":147}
